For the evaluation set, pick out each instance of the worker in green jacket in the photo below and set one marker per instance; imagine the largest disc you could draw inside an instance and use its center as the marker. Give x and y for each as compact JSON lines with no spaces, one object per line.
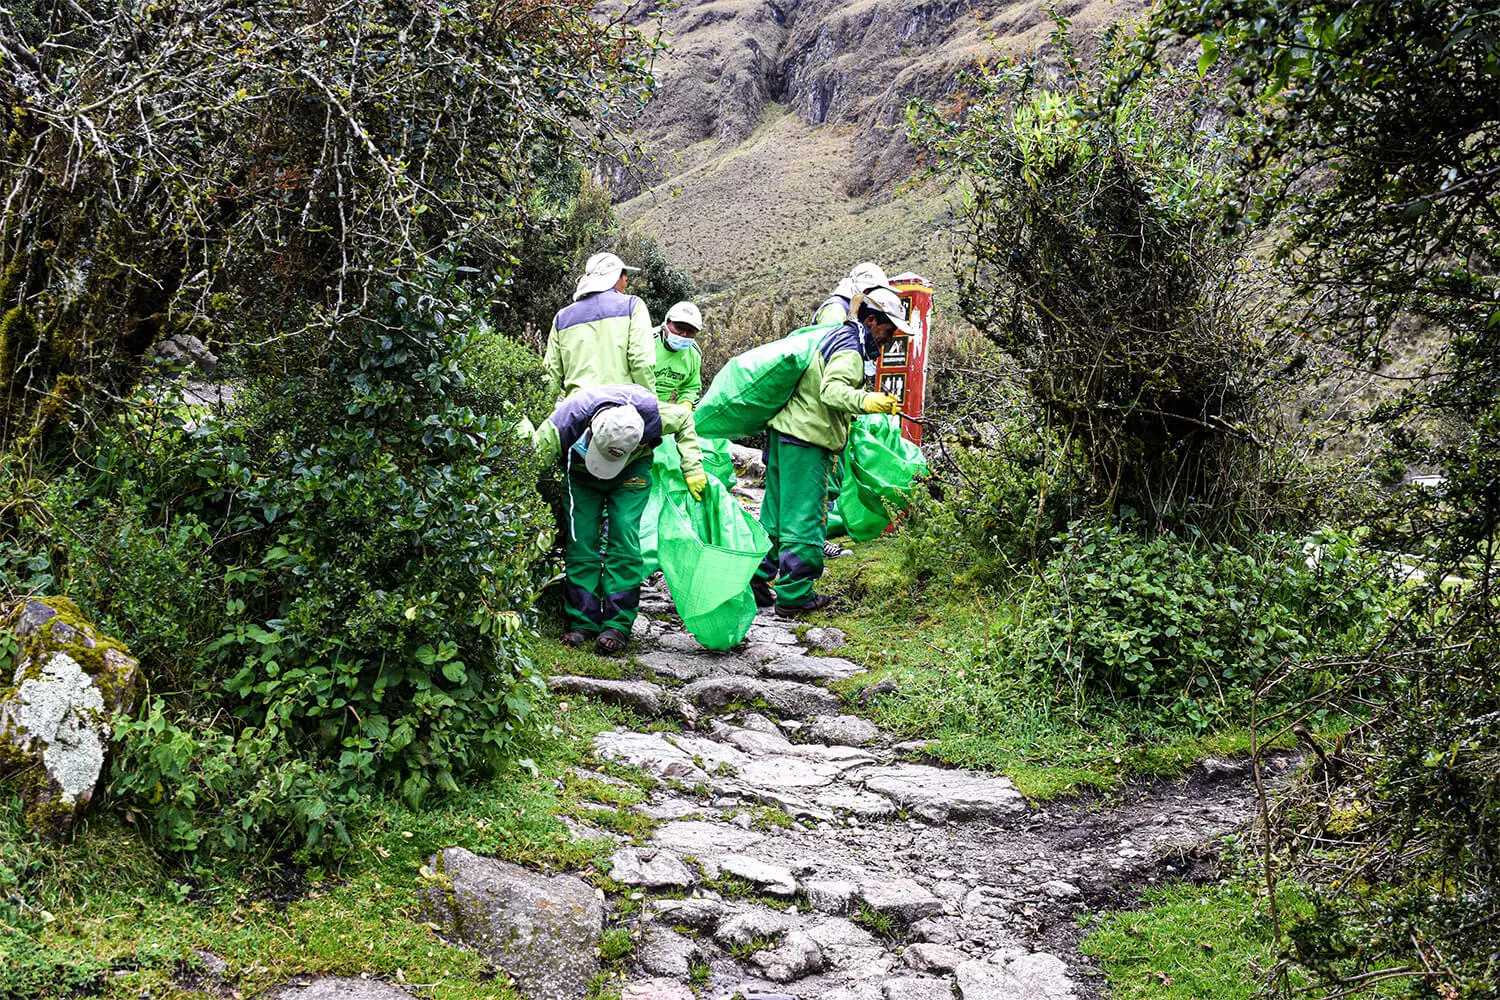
{"x":604,"y":436}
{"x":679,"y":363}
{"x":835,"y":309}
{"x":801,"y":443}
{"x":604,"y":337}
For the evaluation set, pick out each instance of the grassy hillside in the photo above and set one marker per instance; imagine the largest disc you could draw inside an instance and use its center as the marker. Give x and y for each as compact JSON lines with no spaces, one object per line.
{"x":771,"y":219}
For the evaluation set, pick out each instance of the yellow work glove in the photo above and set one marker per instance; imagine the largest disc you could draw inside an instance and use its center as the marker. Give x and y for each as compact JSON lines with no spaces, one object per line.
{"x":882,"y":402}
{"x":696,"y":485}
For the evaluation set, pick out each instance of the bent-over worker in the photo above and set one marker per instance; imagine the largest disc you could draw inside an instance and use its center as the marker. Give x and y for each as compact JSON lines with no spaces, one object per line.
{"x":604,"y":437}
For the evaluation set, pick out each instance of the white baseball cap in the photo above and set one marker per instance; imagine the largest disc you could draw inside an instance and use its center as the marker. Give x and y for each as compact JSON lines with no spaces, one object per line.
{"x":687,"y":314}
{"x":616,"y":434}
{"x":601,"y":272}
{"x":862,"y":278}
{"x":887,"y":300}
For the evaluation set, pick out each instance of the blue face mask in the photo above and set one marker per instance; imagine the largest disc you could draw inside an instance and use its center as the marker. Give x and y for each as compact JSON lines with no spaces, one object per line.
{"x":582,"y":444}
{"x":676,"y":343}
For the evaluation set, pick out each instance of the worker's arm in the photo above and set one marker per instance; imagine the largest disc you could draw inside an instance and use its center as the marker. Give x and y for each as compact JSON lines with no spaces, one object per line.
{"x":544,"y":440}
{"x":640,"y":348}
{"x":552,"y":364}
{"x":678,"y":421}
{"x":692,"y":385}
{"x":843,"y":382}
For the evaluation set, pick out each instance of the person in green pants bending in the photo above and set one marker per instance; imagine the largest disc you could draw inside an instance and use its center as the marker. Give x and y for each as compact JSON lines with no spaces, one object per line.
{"x":679,"y":363}
{"x":803,"y":439}
{"x":604,"y":437}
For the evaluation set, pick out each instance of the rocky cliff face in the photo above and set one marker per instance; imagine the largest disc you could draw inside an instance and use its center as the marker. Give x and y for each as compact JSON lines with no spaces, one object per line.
{"x":831,"y":62}
{"x":824,"y":80}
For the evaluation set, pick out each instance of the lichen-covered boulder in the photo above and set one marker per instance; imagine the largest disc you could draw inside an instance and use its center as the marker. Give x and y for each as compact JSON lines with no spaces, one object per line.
{"x":541,"y":930}
{"x":68,"y":681}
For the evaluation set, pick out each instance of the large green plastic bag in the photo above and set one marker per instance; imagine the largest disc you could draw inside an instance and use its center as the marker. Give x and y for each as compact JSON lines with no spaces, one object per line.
{"x":752,"y":387}
{"x":717,"y":461}
{"x":880,"y":467}
{"x":666,"y":474}
{"x":709,"y":550}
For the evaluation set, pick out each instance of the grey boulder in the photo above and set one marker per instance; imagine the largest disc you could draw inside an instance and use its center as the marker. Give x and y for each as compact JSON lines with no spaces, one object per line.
{"x":650,"y":868}
{"x":937,"y":794}
{"x":55,"y":709}
{"x":1014,"y":974}
{"x":541,"y":930}
{"x":643,"y":697}
{"x":787,"y":698}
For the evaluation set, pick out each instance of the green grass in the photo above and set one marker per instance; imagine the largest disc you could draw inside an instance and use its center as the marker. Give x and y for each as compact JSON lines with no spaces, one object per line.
{"x":882,"y":925}
{"x":1190,"y":942}
{"x":931,"y":643}
{"x":107,"y":916}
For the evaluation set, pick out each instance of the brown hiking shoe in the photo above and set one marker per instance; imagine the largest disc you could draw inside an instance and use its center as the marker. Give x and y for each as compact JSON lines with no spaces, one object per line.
{"x":816,"y":603}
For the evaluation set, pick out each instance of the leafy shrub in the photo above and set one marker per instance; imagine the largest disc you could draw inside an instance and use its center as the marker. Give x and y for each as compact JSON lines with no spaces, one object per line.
{"x":502,"y":377}
{"x":334,"y":593}
{"x":1188,"y":628}
{"x":997,"y":501}
{"x":1090,"y":251}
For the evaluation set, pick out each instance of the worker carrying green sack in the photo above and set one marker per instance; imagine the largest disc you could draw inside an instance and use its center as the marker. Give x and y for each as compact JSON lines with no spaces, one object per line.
{"x":836,"y":308}
{"x":802,"y":440}
{"x":604,"y":437}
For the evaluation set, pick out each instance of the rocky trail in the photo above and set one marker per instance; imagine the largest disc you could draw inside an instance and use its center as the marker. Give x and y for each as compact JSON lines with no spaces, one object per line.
{"x":890,"y":878}
{"x":800,"y":852}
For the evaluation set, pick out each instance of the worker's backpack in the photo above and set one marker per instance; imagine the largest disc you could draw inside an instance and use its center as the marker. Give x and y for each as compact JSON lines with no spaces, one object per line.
{"x":753,"y":387}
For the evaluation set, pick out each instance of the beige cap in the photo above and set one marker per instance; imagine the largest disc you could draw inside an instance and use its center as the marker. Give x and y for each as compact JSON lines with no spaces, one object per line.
{"x":601,"y":272}
{"x":687,"y":314}
{"x":616,"y":435}
{"x":887,"y":300}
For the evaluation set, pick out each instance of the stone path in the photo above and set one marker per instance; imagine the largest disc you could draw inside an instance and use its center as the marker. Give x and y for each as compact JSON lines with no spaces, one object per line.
{"x":804,"y":853}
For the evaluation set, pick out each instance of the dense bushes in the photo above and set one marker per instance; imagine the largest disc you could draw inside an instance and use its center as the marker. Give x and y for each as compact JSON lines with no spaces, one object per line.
{"x":1188,"y":629}
{"x":1090,"y":250}
{"x":342,"y":142}
{"x":329,"y":597}
{"x":1182,"y":629}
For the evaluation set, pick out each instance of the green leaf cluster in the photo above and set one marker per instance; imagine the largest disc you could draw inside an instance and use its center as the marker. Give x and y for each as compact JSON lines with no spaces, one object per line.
{"x":330,"y":583}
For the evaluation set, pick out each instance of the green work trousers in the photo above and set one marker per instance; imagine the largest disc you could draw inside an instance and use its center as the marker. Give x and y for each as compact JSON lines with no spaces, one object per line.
{"x":604,"y":573}
{"x":795,"y":515}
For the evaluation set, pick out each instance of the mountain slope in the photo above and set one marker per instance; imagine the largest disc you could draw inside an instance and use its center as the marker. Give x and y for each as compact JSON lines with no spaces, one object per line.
{"x":777,"y":157}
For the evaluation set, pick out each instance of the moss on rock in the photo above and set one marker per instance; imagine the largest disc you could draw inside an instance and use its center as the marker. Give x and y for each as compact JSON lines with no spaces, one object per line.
{"x":68,"y":682}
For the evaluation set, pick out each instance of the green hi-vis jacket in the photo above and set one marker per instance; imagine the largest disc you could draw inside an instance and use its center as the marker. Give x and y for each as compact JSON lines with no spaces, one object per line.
{"x":602,"y":339}
{"x":831,"y":391}
{"x":679,"y":374}
{"x":570,"y":419}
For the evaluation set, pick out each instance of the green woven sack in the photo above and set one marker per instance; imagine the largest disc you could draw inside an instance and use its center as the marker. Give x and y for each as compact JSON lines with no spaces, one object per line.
{"x":880,"y":467}
{"x":709,"y":550}
{"x":717,"y":461}
{"x":752,"y":387}
{"x":666,"y":474}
